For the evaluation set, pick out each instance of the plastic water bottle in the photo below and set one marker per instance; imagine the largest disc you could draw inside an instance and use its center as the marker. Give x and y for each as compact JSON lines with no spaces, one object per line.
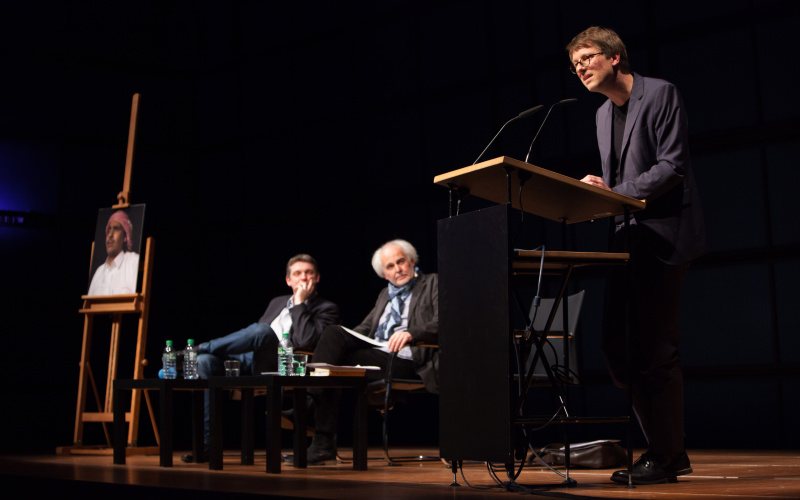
{"x":169,"y":359}
{"x":190,"y":361}
{"x":285,"y":354}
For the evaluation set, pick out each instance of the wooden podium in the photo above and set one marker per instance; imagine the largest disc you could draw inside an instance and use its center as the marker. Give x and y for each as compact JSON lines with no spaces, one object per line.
{"x":545,"y":193}
{"x":482,"y":377}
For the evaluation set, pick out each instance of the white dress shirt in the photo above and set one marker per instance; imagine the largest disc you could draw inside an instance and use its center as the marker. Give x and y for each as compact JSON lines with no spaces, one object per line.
{"x":282,"y":323}
{"x":116,"y":278}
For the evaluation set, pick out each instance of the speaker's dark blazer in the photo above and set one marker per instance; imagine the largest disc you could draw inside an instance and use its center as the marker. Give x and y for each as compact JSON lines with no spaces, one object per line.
{"x":655,"y":166}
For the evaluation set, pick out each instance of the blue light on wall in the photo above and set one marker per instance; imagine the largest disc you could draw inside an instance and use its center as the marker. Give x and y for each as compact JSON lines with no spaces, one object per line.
{"x":29,"y":176}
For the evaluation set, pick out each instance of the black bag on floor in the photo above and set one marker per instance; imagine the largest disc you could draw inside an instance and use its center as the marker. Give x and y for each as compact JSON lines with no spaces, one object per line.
{"x":603,"y":454}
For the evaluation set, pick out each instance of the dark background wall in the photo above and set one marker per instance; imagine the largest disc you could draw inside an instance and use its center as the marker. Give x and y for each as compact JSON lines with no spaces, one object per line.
{"x":272,"y":128}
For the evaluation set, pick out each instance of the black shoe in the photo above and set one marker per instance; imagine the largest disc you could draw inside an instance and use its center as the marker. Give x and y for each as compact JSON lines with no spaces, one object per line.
{"x":322,"y":449}
{"x":646,"y":470}
{"x":287,"y":421}
{"x":320,"y":457}
{"x":680,"y":465}
{"x":189,"y":458}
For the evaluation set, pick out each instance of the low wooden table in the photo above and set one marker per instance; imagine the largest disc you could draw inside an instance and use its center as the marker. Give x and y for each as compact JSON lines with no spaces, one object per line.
{"x":273,"y":385}
{"x":165,"y":390}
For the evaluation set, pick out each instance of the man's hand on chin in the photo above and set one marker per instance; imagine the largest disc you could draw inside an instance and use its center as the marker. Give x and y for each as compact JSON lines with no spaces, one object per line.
{"x":303,"y":292}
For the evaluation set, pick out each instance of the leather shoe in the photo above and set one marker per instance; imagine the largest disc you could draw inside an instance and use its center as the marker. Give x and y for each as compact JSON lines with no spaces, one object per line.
{"x":189,"y":458}
{"x":680,"y":465}
{"x":647,"y":470}
{"x":319,"y":457}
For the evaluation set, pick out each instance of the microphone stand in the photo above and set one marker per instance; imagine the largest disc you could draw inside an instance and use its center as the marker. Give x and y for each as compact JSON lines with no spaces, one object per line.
{"x":524,"y":114}
{"x":563,"y":101}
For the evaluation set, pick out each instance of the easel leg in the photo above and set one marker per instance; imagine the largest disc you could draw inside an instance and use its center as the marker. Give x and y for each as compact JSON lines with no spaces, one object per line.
{"x":82,"y":380}
{"x":138,"y":373}
{"x":113,"y":355}
{"x":139,"y":361}
{"x":113,"y":352}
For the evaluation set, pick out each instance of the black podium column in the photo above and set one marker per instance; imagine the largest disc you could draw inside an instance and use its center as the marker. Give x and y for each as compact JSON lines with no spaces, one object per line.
{"x":475,"y":336}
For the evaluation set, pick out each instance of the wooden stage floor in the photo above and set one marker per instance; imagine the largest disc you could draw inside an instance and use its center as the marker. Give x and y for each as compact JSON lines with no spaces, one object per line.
{"x":717,"y":474}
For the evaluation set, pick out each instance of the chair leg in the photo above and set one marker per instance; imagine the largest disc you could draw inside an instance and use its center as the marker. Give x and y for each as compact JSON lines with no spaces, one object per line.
{"x":389,"y":460}
{"x":385,"y":433}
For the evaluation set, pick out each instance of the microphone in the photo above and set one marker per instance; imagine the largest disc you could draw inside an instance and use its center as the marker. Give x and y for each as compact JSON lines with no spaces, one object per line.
{"x":561,"y":102}
{"x":524,"y":114}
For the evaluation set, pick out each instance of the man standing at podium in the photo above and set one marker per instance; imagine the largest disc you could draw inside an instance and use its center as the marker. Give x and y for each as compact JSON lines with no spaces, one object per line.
{"x":406,"y":313}
{"x":642,"y":134}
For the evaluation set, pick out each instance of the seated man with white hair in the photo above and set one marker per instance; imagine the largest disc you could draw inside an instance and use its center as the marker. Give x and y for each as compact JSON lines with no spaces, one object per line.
{"x":405,"y":314}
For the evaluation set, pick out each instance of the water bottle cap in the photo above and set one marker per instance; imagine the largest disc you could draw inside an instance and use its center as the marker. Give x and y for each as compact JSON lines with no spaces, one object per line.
{"x":169,"y":342}
{"x":190,"y":341}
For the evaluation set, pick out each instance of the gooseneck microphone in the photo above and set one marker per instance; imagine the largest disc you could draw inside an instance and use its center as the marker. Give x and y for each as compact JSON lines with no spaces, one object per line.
{"x":561,"y":102}
{"x":524,"y":114}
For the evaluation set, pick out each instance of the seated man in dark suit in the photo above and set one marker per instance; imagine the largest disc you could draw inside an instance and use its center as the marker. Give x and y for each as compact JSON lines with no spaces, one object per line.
{"x":406,"y":313}
{"x":304,"y":314}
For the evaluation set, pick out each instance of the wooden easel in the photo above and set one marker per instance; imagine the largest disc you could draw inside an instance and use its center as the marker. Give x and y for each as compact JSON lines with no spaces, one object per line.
{"x":116,"y":306}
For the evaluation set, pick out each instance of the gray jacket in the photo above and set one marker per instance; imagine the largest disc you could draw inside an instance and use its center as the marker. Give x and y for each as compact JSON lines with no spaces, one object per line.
{"x":423,"y":325}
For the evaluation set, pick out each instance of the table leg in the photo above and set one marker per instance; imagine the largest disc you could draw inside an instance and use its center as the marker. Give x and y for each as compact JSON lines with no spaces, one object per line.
{"x":119,"y":428}
{"x":197,"y":424}
{"x":274,"y":428}
{"x":215,"y":429}
{"x":248,"y":434}
{"x":300,"y":460}
{"x":165,"y":450}
{"x":360,"y":430}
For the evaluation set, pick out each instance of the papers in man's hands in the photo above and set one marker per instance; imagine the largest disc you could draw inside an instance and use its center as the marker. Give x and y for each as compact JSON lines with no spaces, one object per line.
{"x":364,"y":337}
{"x":377,"y":343}
{"x":326,"y":370}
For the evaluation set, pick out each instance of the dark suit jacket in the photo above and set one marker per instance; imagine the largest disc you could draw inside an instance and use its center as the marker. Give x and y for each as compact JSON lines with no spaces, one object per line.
{"x":308,"y":319}
{"x":423,"y":325}
{"x":655,"y":166}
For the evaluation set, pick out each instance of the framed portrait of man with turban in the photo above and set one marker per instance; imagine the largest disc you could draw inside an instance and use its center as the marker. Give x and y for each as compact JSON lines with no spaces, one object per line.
{"x":115,"y":260}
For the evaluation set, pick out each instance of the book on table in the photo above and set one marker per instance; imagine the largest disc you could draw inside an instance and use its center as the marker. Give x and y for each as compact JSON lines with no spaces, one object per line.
{"x":327,"y":370}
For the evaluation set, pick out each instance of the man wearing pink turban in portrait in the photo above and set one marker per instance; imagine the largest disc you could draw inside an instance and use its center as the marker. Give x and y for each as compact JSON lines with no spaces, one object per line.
{"x":117,"y":275}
